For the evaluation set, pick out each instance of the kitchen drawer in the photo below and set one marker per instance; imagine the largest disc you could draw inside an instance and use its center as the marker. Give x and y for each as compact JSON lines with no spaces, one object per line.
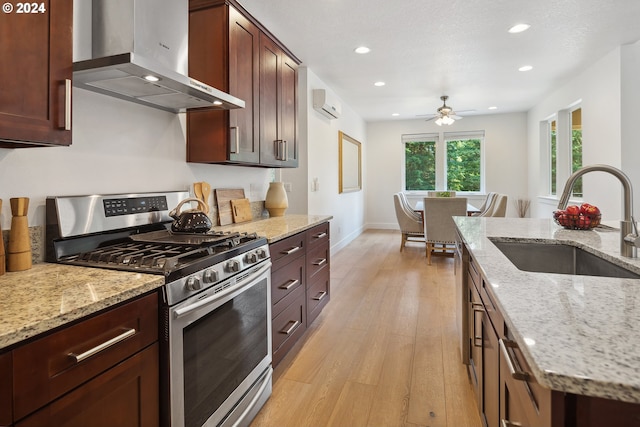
{"x":289,"y":325}
{"x":285,"y":280}
{"x":318,"y":294}
{"x":5,"y":389}
{"x":285,"y":250}
{"x":317,"y":259}
{"x":47,"y":368}
{"x":474,"y":274}
{"x":126,"y":395}
{"x":317,"y":235}
{"x":523,"y":401}
{"x":490,"y":307}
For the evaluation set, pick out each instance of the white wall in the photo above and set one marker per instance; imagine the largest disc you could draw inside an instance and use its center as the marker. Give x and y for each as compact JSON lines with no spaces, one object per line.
{"x":599,"y":89}
{"x":117,"y":147}
{"x":630,"y":104}
{"x":505,"y":156}
{"x":321,"y":136}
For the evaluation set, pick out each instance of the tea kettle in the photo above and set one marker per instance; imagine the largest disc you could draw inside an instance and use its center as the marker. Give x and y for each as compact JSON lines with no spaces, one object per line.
{"x":191,"y":220}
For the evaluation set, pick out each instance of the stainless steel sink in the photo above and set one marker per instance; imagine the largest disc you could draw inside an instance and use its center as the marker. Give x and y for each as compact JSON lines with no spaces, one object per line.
{"x":561,"y":259}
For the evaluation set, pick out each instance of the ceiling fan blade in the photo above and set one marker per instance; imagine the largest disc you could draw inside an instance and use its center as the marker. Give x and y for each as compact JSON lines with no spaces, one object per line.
{"x":456,"y":117}
{"x":431,"y":118}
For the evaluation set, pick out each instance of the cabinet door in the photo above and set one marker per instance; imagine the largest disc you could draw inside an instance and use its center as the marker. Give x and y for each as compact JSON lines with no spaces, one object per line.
{"x":271,"y":145}
{"x":244,"y":80}
{"x":490,"y":373}
{"x":6,"y":413}
{"x":289,"y":113}
{"x":475,"y":341}
{"x":36,"y":51}
{"x":124,"y":396}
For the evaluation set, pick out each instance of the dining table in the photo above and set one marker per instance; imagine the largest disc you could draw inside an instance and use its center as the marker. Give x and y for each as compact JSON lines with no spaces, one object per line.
{"x":420,"y":208}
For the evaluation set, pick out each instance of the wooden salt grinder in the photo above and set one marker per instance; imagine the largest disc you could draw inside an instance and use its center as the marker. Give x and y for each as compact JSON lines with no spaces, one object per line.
{"x":3,"y":260}
{"x":19,"y":247}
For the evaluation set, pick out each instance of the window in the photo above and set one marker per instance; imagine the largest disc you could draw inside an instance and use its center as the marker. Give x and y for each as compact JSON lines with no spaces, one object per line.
{"x":455,"y":165}
{"x":576,"y":148}
{"x":420,"y":162}
{"x":564,"y":145}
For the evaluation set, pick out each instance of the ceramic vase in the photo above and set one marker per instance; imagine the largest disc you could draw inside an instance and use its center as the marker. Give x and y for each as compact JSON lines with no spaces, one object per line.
{"x":276,"y":201}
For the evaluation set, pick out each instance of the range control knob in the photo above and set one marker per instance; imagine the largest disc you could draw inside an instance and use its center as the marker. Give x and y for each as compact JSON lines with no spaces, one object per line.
{"x":210,"y":276}
{"x":193,"y":284}
{"x":262,"y":254}
{"x":233,"y":266}
{"x":251,"y":258}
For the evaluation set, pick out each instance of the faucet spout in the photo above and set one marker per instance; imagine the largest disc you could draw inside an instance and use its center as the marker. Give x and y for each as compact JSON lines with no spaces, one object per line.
{"x":627,"y":226}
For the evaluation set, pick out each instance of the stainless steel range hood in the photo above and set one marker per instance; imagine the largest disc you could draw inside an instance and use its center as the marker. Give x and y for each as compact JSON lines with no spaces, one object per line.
{"x":140,"y":54}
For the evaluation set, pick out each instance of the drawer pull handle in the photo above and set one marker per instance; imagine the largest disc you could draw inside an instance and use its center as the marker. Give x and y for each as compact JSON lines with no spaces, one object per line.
{"x":290,"y":251}
{"x":97,"y":349}
{"x":290,"y":284}
{"x":320,"y":235}
{"x":477,"y":308}
{"x":291,"y":328}
{"x":514,"y":368}
{"x":320,"y":261}
{"x":236,"y":139}
{"x":320,"y":296}
{"x":507,"y":423}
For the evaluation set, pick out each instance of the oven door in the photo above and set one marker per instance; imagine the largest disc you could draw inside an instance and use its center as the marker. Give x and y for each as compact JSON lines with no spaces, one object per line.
{"x":220,"y":352}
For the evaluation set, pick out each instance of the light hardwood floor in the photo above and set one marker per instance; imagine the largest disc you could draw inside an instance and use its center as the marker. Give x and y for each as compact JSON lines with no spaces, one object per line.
{"x":384,"y":352}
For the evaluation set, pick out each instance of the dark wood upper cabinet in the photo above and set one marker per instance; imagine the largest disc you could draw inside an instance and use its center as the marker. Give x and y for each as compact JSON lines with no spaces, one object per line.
{"x":35,"y":74}
{"x":227,"y":51}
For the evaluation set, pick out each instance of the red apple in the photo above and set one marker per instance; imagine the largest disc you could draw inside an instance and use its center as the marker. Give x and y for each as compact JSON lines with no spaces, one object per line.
{"x":573,"y":210}
{"x":588,"y":209}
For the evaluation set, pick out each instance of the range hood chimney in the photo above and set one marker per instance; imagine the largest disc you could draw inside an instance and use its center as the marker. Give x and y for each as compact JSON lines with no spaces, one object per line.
{"x":140,"y":54}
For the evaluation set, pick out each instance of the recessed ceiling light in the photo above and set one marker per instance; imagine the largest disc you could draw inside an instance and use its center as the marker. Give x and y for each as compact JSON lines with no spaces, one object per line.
{"x":525,"y":68}
{"x":151,"y":78}
{"x":362,"y":49}
{"x":518,"y":28}
{"x":493,"y":108}
{"x":379,"y":83}
{"x":395,"y":114}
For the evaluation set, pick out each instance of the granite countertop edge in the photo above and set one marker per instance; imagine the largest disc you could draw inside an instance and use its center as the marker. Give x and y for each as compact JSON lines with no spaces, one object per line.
{"x":578,"y":333}
{"x":51,"y":295}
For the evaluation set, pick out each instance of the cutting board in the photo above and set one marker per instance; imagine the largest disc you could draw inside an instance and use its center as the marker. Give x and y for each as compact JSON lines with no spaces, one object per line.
{"x":241,"y":210}
{"x":223,"y":201}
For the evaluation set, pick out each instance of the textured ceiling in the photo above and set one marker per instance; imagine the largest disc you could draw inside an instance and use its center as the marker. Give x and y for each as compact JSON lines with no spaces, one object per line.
{"x":423,"y":49}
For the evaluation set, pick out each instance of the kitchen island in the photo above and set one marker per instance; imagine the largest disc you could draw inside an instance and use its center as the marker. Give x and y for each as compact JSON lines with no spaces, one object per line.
{"x":578,"y":334}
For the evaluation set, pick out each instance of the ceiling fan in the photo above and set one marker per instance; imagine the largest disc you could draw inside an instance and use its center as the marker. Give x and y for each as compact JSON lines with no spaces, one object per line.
{"x":445,"y":114}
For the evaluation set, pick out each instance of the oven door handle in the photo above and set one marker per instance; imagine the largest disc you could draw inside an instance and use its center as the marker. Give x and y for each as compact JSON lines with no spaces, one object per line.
{"x":179,"y":312}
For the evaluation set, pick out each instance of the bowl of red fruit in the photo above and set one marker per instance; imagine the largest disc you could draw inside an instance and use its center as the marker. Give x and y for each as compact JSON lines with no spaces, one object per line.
{"x":583,"y":217}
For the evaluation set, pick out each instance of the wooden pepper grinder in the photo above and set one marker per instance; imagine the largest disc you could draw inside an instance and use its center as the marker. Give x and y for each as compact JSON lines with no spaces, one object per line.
{"x":3,"y":261}
{"x":19,"y":247}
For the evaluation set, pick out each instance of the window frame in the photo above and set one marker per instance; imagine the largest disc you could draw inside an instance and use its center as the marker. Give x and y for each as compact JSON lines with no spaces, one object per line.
{"x":441,"y":152}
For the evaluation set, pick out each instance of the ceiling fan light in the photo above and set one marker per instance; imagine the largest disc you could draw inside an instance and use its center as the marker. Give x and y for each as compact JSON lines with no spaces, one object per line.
{"x":447,"y":120}
{"x":439,"y":121}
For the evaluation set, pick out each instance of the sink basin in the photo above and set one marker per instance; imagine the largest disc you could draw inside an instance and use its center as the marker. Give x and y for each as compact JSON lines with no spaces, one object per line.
{"x":561,"y":259}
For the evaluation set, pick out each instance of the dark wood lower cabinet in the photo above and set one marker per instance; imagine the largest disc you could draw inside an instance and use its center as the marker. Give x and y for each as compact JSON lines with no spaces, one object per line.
{"x":300,"y":285}
{"x":124,"y":396}
{"x":6,"y":380}
{"x":506,"y":391}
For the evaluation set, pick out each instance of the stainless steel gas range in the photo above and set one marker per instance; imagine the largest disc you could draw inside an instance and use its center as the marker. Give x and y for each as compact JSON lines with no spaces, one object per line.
{"x":216,"y":314}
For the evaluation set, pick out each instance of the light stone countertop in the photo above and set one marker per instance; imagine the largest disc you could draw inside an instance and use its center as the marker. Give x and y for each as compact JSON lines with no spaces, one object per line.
{"x":277,"y":228}
{"x":50,"y":295}
{"x":579,"y":334}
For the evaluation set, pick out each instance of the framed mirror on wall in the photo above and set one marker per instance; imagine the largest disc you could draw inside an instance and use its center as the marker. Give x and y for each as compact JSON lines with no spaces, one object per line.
{"x":350,"y":164}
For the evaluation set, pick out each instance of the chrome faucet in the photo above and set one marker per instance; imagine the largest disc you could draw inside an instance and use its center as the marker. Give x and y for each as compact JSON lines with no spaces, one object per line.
{"x":629,"y":239}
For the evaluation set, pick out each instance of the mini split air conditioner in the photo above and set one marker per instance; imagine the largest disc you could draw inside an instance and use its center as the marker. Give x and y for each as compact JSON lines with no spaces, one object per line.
{"x":325,"y":104}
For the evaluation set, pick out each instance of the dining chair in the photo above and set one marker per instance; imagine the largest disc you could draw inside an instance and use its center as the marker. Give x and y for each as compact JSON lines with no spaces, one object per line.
{"x":490,"y":205}
{"x":439,"y":228}
{"x":408,"y":207}
{"x":410,"y":225}
{"x":487,"y":202}
{"x":500,"y":208}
